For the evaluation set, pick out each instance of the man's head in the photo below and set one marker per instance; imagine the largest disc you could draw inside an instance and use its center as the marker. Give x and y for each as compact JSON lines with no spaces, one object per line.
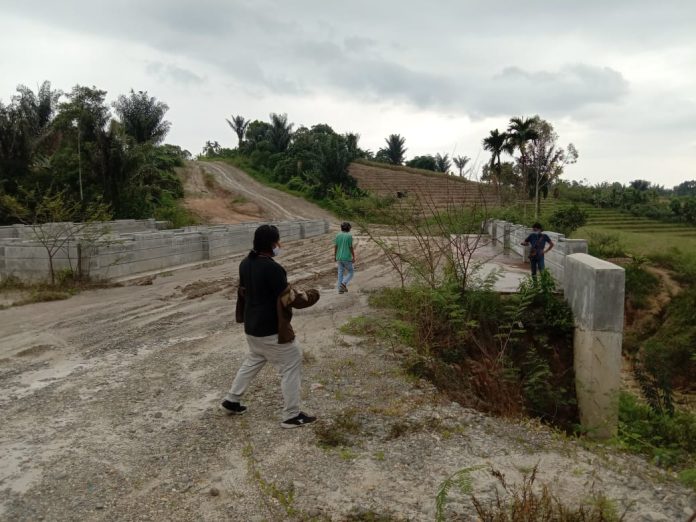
{"x":537,"y":227}
{"x":345,"y":227}
{"x":266,"y":238}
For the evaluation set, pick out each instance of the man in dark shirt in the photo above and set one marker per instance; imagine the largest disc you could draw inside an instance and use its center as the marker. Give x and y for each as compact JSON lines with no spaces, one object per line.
{"x":537,"y":241}
{"x":263,"y":281}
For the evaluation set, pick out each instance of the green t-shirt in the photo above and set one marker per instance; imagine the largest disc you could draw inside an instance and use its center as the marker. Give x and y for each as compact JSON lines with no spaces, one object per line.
{"x":344,"y":241}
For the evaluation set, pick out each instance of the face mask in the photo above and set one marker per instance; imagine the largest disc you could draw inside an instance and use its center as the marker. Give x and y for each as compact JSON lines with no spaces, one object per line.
{"x":276,"y":251}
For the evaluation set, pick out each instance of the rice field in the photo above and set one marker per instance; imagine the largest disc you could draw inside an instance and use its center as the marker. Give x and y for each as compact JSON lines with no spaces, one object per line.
{"x":639,"y":235}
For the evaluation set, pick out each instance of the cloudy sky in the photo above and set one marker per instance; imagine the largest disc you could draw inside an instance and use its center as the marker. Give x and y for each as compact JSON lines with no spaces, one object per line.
{"x":616,"y":78}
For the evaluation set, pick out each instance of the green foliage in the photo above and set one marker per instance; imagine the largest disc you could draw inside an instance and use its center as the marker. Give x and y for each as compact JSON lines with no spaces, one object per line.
{"x":641,"y":284}
{"x":688,"y":477}
{"x":669,"y":356}
{"x":426,"y":162}
{"x":395,"y":151}
{"x":142,"y":117}
{"x":605,"y":245}
{"x":567,"y":220}
{"x":462,"y":480}
{"x":503,"y":354}
{"x":170,"y":209}
{"x":76,"y":145}
{"x":670,"y":440}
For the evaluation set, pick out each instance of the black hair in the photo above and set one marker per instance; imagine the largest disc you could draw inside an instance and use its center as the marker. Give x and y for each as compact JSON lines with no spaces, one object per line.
{"x":345,"y":227}
{"x":538,"y":225}
{"x":264,"y":238}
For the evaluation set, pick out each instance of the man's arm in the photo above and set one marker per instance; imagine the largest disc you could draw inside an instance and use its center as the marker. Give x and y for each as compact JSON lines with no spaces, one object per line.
{"x":335,"y":252}
{"x":352,"y":253}
{"x":551,"y":245}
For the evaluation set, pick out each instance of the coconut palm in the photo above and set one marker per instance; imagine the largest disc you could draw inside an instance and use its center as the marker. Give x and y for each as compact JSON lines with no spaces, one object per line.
{"x":239,"y":126}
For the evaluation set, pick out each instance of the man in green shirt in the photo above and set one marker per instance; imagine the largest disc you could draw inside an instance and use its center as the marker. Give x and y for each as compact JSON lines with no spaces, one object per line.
{"x":345,"y":256}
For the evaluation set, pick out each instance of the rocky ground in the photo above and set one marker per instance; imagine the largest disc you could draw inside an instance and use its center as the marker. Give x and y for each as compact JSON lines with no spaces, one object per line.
{"x":110,"y":412}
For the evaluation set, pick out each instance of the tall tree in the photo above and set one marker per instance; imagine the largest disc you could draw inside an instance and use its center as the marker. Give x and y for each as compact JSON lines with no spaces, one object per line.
{"x":520,"y":132}
{"x":239,"y":126}
{"x":442,"y":163}
{"x":497,"y":143}
{"x":394,"y":152}
{"x":546,"y":161}
{"x":142,"y":117}
{"x":460,"y":162}
{"x":280,"y":132}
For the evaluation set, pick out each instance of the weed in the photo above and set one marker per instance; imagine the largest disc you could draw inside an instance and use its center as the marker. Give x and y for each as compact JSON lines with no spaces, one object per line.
{"x":524,"y":504}
{"x":347,"y":454}
{"x":378,"y":456}
{"x":605,"y":245}
{"x":669,"y":439}
{"x":462,"y":480}
{"x":688,"y":477}
{"x":341,"y":430}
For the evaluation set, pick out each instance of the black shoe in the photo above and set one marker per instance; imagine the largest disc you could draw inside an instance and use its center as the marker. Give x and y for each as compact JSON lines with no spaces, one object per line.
{"x":344,"y":288}
{"x":298,"y":421}
{"x":232,"y":408}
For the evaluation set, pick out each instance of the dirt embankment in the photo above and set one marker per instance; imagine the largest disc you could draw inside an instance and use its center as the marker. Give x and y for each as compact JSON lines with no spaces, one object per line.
{"x":219,"y":193}
{"x":211,"y":202}
{"x":110,"y":400}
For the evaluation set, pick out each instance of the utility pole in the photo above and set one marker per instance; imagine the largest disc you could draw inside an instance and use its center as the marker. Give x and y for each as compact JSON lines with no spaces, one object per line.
{"x":79,"y":156}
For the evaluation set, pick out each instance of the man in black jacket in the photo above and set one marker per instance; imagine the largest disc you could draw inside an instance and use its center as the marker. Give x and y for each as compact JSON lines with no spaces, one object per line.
{"x":262,"y":281}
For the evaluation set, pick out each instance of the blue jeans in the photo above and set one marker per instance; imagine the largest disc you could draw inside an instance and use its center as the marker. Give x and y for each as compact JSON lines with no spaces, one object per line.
{"x":536,"y":262}
{"x":344,"y":267}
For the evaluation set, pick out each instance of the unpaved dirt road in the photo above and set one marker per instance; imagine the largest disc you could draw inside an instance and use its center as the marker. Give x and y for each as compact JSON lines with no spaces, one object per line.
{"x":110,"y":412}
{"x":275,"y":203}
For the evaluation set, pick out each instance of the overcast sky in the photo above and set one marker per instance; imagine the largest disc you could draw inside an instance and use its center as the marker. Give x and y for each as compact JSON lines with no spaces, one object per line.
{"x":616,"y":78}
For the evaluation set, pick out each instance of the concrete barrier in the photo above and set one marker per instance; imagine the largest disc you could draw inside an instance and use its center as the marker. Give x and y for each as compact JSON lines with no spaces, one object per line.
{"x":594,"y":288}
{"x":139,"y":247}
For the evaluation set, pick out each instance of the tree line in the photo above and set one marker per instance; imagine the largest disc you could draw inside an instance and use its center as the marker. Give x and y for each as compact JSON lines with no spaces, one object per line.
{"x":77,"y":148}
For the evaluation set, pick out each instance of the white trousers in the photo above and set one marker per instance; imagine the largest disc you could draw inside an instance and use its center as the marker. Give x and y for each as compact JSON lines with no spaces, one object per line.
{"x":285,"y":358}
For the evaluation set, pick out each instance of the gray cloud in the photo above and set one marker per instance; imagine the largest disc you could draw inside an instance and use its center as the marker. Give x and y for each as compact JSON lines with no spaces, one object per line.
{"x":174,"y":73}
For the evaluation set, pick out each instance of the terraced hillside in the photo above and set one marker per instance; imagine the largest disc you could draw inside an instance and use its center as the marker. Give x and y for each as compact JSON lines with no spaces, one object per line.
{"x":638,"y":235}
{"x":435,"y":191}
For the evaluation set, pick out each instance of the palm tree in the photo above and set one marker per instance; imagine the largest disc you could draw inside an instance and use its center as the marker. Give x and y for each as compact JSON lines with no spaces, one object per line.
{"x":239,"y":126}
{"x":395,"y":152}
{"x":496,"y":143}
{"x":460,"y":162}
{"x":280,"y":132}
{"x":142,"y":117}
{"x":442,"y":163}
{"x":520,"y":132}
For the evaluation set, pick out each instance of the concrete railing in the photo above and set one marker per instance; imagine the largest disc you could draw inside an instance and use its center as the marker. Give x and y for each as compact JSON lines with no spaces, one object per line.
{"x":594,"y":289}
{"x":124,"y":254}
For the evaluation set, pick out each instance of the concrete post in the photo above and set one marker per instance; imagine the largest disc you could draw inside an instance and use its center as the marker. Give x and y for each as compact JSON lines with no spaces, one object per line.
{"x":594,"y":289}
{"x":506,"y":236}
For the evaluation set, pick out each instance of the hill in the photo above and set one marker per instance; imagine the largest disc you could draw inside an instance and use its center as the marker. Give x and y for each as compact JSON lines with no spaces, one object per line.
{"x":435,"y":190}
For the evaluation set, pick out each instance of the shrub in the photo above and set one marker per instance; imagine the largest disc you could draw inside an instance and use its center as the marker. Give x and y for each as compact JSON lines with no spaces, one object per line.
{"x":670,"y":440}
{"x":567,"y":220}
{"x":640,"y":283}
{"x":605,"y":245}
